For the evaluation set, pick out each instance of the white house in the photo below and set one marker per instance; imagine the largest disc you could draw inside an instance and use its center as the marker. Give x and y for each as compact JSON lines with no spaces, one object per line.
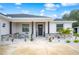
{"x":30,"y":24}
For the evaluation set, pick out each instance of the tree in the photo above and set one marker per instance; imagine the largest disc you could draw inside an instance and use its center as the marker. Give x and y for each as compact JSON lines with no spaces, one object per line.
{"x":73,"y":15}
{"x":64,"y":32}
{"x":66,"y":17}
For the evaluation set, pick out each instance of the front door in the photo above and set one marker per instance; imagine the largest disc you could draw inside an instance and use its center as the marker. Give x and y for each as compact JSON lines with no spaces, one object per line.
{"x":40,"y":29}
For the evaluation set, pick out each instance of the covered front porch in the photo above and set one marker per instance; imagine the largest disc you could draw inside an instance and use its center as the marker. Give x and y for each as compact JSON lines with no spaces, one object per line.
{"x":31,"y":27}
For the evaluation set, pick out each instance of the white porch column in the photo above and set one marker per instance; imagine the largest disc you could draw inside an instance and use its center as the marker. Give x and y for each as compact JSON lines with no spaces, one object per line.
{"x":46,"y":27}
{"x":34,"y":29}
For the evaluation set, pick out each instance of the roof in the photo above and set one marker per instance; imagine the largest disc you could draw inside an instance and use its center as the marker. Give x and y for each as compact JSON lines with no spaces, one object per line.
{"x":1,"y":13}
{"x":25,"y":16}
{"x":76,"y":27}
{"x":59,"y":20}
{"x":62,"y":20}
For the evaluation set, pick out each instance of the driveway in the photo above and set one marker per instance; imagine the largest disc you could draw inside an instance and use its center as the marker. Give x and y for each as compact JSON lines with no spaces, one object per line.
{"x":39,"y":48}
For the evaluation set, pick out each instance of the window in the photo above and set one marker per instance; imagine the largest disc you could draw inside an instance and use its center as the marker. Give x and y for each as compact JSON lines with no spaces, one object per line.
{"x":3,"y":25}
{"x":59,"y":26}
{"x":25,"y":28}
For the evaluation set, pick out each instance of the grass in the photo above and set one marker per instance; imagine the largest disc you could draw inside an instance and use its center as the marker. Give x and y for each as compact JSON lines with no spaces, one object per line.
{"x":75,"y":41}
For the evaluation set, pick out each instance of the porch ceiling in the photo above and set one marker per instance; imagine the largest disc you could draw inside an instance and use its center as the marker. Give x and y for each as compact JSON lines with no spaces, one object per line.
{"x":32,"y":20}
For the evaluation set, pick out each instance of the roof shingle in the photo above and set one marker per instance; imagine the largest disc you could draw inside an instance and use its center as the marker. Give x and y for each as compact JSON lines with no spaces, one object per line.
{"x":25,"y":16}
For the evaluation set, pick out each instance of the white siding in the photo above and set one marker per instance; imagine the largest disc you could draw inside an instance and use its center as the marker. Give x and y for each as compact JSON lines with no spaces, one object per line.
{"x":17,"y":27}
{"x":52,"y":27}
{"x":13,"y":28}
{"x":4,"y":30}
{"x":78,"y":30}
{"x":67,"y":25}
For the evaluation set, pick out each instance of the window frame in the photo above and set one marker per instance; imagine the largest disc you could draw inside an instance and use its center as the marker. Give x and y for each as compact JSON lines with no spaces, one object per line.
{"x":59,"y":27}
{"x":25,"y":28}
{"x":4,"y":25}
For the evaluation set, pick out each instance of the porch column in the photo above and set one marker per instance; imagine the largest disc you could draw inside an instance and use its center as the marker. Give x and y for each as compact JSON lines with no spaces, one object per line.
{"x":10,"y":24}
{"x":32,"y":28}
{"x":44,"y":29}
{"x":48,"y":27}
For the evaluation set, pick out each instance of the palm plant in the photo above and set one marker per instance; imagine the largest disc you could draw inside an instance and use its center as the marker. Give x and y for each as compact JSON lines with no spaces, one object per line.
{"x":64,"y":32}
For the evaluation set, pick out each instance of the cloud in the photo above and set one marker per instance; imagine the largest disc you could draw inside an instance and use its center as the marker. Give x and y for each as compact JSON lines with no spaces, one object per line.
{"x":18,"y":3}
{"x":54,"y":16}
{"x":60,"y":15}
{"x":50,"y":6}
{"x":25,"y":11}
{"x":42,"y":12}
{"x":18,"y":7}
{"x":65,"y":12}
{"x":1,"y":7}
{"x":68,"y":4}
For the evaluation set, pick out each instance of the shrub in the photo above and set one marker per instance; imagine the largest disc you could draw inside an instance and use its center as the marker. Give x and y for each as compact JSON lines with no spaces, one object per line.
{"x":68,"y":41}
{"x":76,"y":41}
{"x":76,"y":35}
{"x":31,"y":38}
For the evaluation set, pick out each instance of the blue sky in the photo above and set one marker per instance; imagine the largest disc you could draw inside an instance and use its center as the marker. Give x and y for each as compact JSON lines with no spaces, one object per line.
{"x":54,"y":10}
